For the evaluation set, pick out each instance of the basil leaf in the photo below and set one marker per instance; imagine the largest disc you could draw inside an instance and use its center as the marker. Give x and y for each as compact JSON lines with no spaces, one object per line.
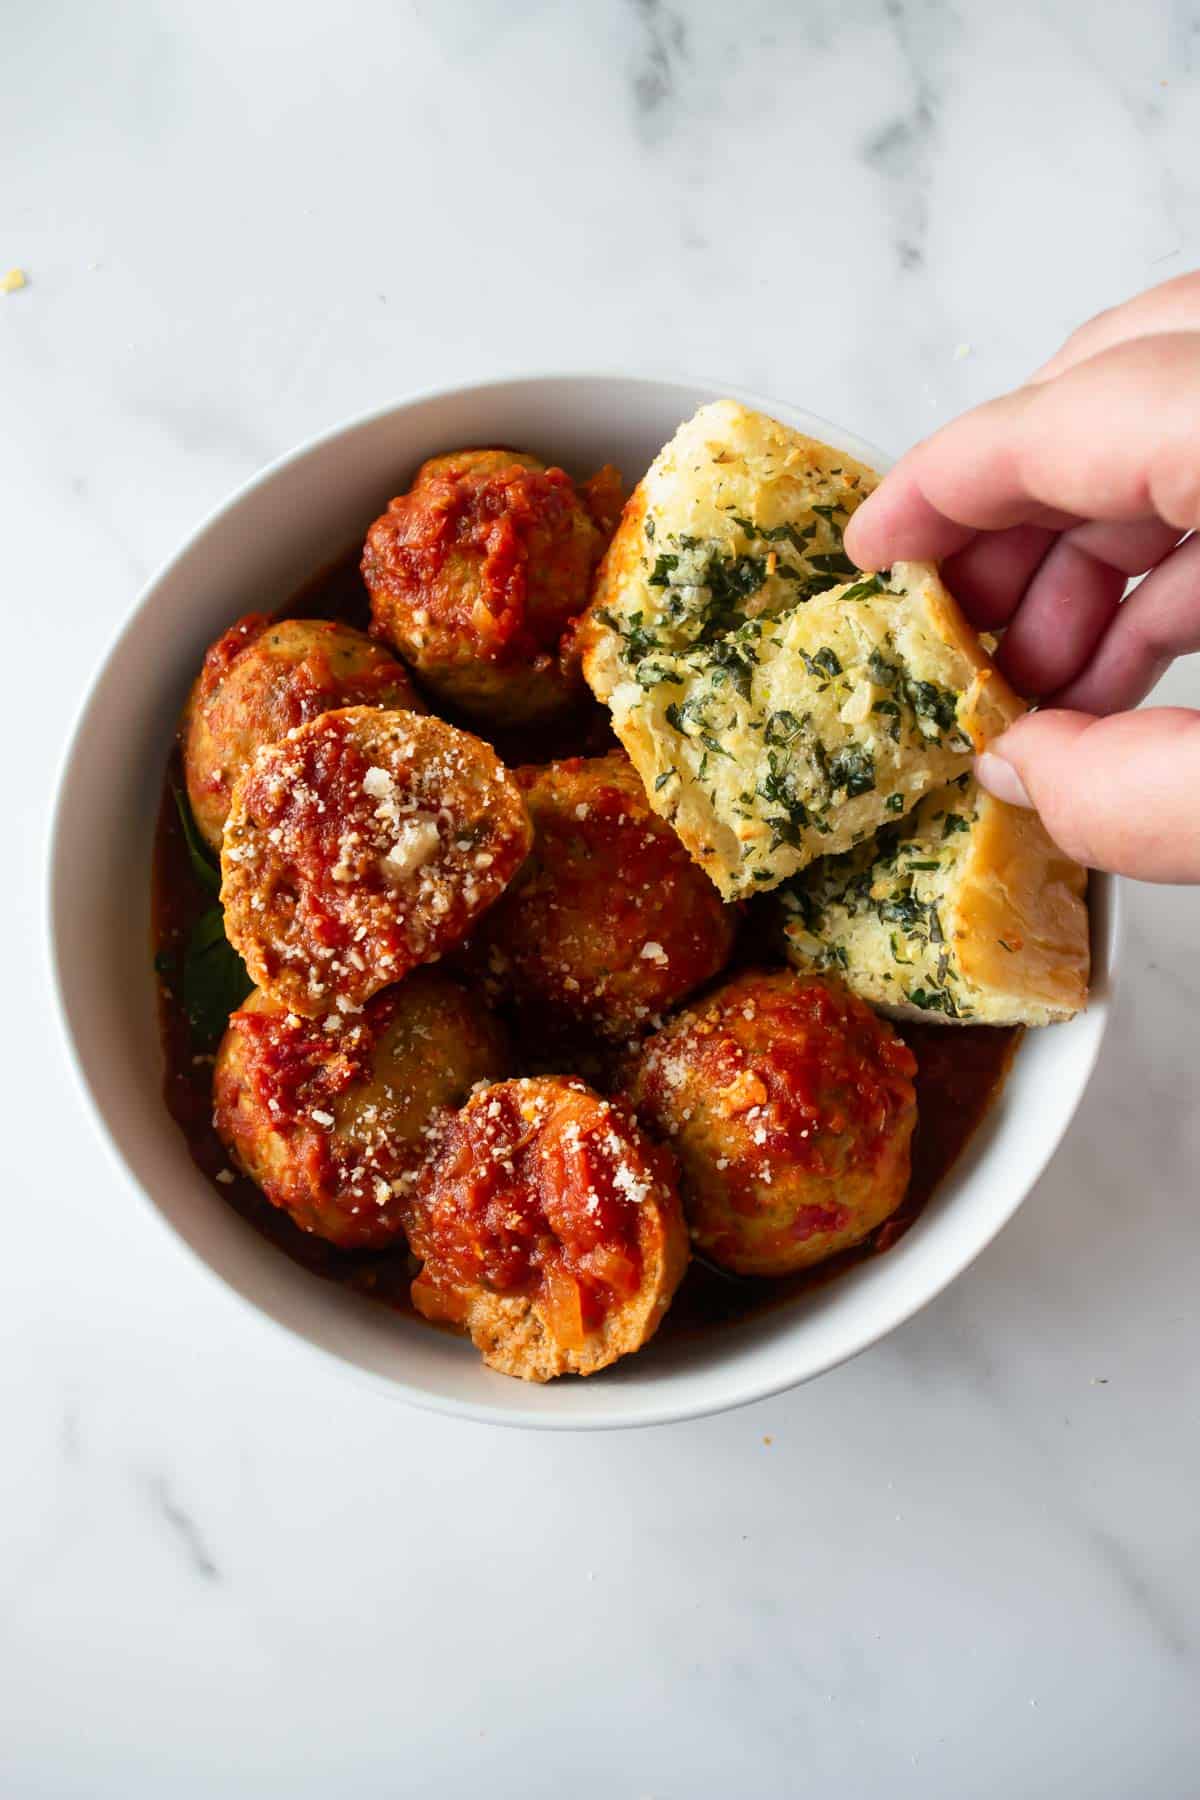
{"x":214,"y":981}
{"x":203,"y":867}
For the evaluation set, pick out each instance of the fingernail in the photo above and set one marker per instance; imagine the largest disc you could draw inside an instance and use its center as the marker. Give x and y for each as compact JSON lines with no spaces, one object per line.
{"x":1000,"y":779}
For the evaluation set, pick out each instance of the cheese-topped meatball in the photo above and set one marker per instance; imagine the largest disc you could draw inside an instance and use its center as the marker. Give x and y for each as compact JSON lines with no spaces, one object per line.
{"x":475,"y":572}
{"x":791,"y":1108}
{"x":549,"y":1227}
{"x":609,"y":922}
{"x":334,"y":1125}
{"x":363,"y":844}
{"x":262,"y":678}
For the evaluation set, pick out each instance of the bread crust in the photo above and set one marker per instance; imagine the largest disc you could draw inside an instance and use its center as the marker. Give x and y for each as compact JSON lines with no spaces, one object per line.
{"x":1020,"y":890}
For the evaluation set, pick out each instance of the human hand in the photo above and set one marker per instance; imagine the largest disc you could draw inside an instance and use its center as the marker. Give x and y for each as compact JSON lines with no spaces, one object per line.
{"x":1040,"y":506}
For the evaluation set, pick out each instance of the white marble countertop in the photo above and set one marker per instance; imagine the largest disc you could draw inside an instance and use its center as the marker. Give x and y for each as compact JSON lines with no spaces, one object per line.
{"x":965,"y":1565}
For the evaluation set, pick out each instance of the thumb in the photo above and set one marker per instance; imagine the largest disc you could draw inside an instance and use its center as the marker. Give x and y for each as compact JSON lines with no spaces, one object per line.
{"x":1119,"y":793}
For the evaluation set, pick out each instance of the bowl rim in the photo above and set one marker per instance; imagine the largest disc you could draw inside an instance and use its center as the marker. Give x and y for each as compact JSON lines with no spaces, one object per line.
{"x":905,"y":1305}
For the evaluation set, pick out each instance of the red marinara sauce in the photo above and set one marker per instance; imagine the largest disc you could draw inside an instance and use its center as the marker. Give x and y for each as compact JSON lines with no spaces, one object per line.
{"x":609,"y":922}
{"x":361,"y":846}
{"x":276,"y":1082}
{"x":493,"y":547}
{"x":960,"y":1071}
{"x":538,"y":1180}
{"x":219,"y":657}
{"x":791,"y":1106}
{"x":804,"y":1069}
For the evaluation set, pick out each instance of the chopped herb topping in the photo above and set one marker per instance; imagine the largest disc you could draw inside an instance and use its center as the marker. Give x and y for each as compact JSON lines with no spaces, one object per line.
{"x":852,"y":768}
{"x":835,"y":562}
{"x":823,"y":662}
{"x":934,"y":706}
{"x":638,"y":641}
{"x":730,"y":581}
{"x":650,"y":675}
{"x":863,"y":590}
{"x":794,"y":535}
{"x":902,"y":909}
{"x":891,"y":711}
{"x":779,"y":786}
{"x":935,"y":1000}
{"x":782,"y":726}
{"x":882,"y":672}
{"x":929,"y":701}
{"x":734,"y":661}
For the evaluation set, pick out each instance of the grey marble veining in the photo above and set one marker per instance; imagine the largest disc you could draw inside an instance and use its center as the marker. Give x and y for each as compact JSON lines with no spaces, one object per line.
{"x":966,"y":1565}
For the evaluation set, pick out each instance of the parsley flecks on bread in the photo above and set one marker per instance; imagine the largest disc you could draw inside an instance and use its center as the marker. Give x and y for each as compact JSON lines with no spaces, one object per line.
{"x":778,"y":704}
{"x":963,"y":912}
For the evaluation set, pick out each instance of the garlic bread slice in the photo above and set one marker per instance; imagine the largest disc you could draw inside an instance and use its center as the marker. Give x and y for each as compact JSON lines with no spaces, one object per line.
{"x":963,"y":912}
{"x":778,"y":704}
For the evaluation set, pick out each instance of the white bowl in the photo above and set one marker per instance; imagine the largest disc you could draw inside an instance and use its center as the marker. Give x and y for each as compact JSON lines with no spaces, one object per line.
{"x":257,"y":549}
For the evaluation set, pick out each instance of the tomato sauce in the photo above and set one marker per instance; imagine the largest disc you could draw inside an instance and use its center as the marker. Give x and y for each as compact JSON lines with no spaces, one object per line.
{"x":960,"y":1070}
{"x":806,"y":1064}
{"x":606,"y":879}
{"x":228,"y":648}
{"x":530,"y":1186}
{"x":510,"y":523}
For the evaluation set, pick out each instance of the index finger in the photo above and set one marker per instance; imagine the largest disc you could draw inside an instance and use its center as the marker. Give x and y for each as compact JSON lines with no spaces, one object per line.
{"x":1171,"y":306}
{"x":1114,"y":438}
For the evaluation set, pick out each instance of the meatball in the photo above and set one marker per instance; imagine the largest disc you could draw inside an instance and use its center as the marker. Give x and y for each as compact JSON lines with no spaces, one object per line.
{"x":549,"y":1228}
{"x":609,"y":922}
{"x":475,"y":573}
{"x":791,"y":1107}
{"x":361,"y":845}
{"x":260,"y":680}
{"x":334,"y":1125}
